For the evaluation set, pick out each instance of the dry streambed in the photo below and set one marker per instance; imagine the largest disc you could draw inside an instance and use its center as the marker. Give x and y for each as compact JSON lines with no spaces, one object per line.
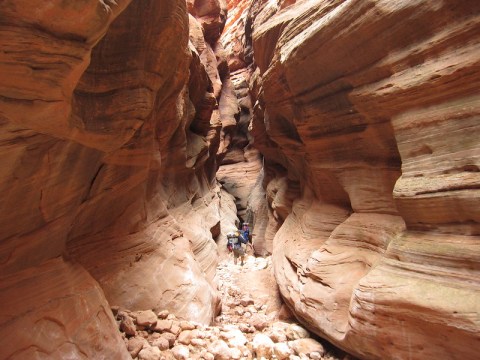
{"x":252,"y":325}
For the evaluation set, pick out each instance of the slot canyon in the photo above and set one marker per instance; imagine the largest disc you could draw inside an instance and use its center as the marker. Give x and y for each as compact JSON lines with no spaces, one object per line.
{"x":136,"y":134}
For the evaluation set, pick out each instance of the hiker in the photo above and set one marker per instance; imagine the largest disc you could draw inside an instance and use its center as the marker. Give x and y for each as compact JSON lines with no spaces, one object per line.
{"x":246,"y":231}
{"x":236,"y":244}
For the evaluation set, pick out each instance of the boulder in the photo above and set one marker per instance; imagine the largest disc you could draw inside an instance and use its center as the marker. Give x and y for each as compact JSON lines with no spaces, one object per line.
{"x":126,"y":324}
{"x":162,"y":343}
{"x":163,"y":325}
{"x":259,"y":321}
{"x":146,"y":318}
{"x":220,"y":350}
{"x":187,"y":325}
{"x":171,"y":338}
{"x":306,"y":346}
{"x":262,"y":346}
{"x":282,"y":351}
{"x":181,"y":352}
{"x":234,"y":337}
{"x":185,"y":337}
{"x":150,"y":353}
{"x":295,"y":332}
{"x":135,"y":344}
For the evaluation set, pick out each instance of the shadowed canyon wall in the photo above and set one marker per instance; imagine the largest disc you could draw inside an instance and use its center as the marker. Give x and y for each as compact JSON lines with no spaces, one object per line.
{"x":110,"y":138}
{"x":368,"y":116}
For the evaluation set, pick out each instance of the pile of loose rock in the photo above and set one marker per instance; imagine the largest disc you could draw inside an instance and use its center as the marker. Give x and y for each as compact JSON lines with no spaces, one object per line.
{"x":244,"y":330}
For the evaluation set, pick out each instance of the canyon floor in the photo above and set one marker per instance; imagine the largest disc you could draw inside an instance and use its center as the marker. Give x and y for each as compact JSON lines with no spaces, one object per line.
{"x":253,"y":324}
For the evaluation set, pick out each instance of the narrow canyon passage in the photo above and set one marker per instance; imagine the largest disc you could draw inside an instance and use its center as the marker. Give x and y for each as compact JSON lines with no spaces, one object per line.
{"x":134,"y":135}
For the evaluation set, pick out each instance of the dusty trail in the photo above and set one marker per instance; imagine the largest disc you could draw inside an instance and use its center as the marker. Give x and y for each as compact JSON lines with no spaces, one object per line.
{"x":252,"y":304}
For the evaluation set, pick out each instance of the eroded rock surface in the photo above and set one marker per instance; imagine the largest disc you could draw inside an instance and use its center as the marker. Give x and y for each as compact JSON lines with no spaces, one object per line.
{"x":367,"y":112}
{"x":110,"y":134}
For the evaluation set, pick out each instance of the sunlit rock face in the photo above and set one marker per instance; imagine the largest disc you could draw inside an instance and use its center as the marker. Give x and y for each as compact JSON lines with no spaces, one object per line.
{"x":110,"y":134}
{"x":368,"y":112}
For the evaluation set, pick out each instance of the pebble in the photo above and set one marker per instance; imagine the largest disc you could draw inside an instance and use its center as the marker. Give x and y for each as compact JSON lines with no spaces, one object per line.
{"x":163,"y":314}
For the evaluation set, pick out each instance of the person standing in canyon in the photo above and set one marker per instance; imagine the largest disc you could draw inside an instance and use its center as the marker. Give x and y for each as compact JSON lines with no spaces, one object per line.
{"x":237,"y":244}
{"x":246,"y":231}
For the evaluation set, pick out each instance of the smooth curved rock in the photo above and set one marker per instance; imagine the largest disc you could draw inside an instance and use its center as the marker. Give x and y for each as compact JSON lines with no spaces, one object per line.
{"x":107,"y":143}
{"x":368,"y":107}
{"x":56,"y":310}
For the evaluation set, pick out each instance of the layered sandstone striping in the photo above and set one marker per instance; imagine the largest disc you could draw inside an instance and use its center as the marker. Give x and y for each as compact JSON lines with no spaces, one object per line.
{"x":371,"y":111}
{"x":240,"y":170}
{"x":110,"y":135}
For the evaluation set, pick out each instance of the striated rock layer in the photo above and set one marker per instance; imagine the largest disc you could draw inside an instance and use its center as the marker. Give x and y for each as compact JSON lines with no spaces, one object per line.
{"x":240,"y":170}
{"x":111,"y":136}
{"x":368,"y":111}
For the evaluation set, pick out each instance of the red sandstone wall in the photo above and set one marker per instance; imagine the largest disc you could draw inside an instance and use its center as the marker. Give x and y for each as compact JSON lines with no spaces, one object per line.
{"x":108,"y":149}
{"x":371,"y":110}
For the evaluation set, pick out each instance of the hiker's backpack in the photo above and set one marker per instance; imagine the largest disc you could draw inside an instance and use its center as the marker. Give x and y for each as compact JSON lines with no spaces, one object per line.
{"x":246,"y":235}
{"x":232,"y":240}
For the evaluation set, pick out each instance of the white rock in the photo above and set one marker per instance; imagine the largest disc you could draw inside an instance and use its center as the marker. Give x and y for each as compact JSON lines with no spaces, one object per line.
{"x":235,"y":354}
{"x":181,"y":352}
{"x":220,"y":350}
{"x":263,"y":345}
{"x":282,"y":351}
{"x":234,"y":337}
{"x":198,"y":342}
